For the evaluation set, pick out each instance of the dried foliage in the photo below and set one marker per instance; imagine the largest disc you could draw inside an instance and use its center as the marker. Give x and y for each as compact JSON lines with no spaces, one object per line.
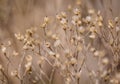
{"x":76,"y":46}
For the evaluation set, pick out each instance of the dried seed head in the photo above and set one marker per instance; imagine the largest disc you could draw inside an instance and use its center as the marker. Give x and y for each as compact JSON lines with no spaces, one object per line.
{"x":43,"y":25}
{"x":28,"y":66}
{"x":116,"y":20}
{"x":63,"y":21}
{"x":15,"y":53}
{"x":78,"y":74}
{"x":96,"y":53}
{"x":100,"y":24}
{"x":111,"y":41}
{"x":76,"y":20}
{"x":81,"y":29}
{"x":29,"y":58}
{"x":76,"y":11}
{"x":105,"y":61}
{"x":19,"y":36}
{"x":54,"y":37}
{"x":88,"y":18}
{"x":25,"y":47}
{"x":58,"y":16}
{"x":100,"y":18}
{"x":51,"y":53}
{"x":73,"y":61}
{"x":92,"y":49}
{"x":92,"y":29}
{"x":92,"y":36}
{"x":3,"y":49}
{"x":63,"y":14}
{"x":14,"y":73}
{"x":29,"y":32}
{"x":57,"y":56}
{"x":68,"y":80}
{"x":46,"y":20}
{"x":99,"y":53}
{"x":57,"y":43}
{"x":110,"y":24}
{"x":48,"y":44}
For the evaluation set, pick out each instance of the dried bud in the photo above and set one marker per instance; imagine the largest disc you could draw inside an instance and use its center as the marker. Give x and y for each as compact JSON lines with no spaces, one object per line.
{"x":105,"y":61}
{"x":76,"y":11}
{"x":29,"y":58}
{"x":28,"y":66}
{"x":14,"y":73}
{"x":73,"y":61}
{"x":3,"y":49}
{"x":48,"y":44}
{"x":46,"y":20}
{"x":92,"y":36}
{"x":15,"y":53}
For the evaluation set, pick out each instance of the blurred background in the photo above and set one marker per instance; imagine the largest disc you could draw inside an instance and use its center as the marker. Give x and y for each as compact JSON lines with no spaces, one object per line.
{"x":16,"y":15}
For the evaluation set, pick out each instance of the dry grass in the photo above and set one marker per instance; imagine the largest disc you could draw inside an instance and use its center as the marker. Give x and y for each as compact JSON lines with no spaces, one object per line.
{"x":59,"y":42}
